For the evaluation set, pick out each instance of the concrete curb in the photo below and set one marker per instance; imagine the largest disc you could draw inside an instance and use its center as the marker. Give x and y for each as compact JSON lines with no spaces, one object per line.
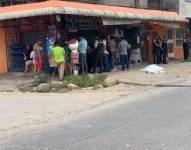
{"x":155,"y":85}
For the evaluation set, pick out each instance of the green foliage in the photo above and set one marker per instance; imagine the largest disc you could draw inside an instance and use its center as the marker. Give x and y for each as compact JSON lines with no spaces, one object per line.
{"x":26,"y":88}
{"x":84,"y":81}
{"x":41,"y":78}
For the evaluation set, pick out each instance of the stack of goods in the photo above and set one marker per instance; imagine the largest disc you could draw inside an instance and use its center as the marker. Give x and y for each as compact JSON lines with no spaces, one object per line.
{"x":17,"y":57}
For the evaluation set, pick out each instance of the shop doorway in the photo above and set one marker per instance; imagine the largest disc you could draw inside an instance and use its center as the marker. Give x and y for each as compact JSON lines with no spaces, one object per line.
{"x":132,"y":34}
{"x":170,"y":37}
{"x":138,"y":39}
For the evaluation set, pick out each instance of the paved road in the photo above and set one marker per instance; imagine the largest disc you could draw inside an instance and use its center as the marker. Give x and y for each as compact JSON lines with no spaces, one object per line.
{"x":162,"y":122}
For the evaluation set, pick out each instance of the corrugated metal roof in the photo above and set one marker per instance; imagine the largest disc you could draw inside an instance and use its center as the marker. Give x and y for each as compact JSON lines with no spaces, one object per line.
{"x":73,"y":8}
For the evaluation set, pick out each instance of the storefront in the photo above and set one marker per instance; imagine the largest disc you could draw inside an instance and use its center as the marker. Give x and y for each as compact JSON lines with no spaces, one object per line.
{"x":18,"y":33}
{"x":25,"y":24}
{"x":174,"y":32}
{"x":133,"y":31}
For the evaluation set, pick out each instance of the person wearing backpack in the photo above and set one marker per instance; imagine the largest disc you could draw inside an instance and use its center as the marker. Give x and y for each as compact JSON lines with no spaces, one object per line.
{"x":100,"y":55}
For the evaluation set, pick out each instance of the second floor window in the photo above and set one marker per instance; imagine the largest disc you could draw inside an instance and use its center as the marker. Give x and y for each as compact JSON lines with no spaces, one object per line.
{"x":155,"y":4}
{"x":15,"y":2}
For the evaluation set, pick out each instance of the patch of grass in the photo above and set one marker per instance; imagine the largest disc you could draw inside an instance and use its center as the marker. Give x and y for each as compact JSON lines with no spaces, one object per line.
{"x":84,"y":81}
{"x":41,"y":78}
{"x":26,"y":88}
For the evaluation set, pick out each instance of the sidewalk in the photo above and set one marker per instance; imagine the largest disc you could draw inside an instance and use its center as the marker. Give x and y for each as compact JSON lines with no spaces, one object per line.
{"x":175,"y":73}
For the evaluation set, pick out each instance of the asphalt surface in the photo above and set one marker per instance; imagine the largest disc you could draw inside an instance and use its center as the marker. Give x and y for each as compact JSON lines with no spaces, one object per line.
{"x":161,"y":122}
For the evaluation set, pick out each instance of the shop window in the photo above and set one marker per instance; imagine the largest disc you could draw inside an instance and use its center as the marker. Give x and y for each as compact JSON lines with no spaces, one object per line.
{"x":169,"y":5}
{"x":170,"y":34}
{"x":170,"y":47}
{"x":179,"y":37}
{"x":170,"y":37}
{"x":155,"y":4}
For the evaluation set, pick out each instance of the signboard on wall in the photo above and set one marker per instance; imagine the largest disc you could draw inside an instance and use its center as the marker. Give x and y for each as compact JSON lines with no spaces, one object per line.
{"x":185,"y":7}
{"x":76,"y":23}
{"x":33,"y":24}
{"x":119,"y":22}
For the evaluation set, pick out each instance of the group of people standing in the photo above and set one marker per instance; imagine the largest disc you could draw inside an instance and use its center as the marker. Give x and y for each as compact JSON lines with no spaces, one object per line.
{"x":101,"y":54}
{"x":160,"y":49}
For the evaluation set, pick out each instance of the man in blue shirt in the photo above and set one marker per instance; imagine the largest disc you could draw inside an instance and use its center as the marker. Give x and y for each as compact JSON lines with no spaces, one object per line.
{"x":123,"y":47}
{"x":83,"y":44}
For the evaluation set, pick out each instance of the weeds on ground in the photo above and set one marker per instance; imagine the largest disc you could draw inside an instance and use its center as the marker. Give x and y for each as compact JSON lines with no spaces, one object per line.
{"x":41,"y":78}
{"x":84,"y":81}
{"x":26,"y":88}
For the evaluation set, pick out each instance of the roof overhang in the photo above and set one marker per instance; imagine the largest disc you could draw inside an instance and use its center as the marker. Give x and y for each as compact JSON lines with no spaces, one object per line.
{"x":72,"y":8}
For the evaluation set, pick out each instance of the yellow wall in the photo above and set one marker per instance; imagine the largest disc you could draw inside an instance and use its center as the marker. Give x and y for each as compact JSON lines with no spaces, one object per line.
{"x":3,"y":54}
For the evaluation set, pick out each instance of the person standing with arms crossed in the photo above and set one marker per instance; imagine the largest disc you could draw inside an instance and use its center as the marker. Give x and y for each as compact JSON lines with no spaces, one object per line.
{"x":59,"y":58}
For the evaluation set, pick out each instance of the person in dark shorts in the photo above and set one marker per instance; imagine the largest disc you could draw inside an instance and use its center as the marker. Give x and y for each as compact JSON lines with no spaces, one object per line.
{"x":100,"y":55}
{"x":28,"y":59}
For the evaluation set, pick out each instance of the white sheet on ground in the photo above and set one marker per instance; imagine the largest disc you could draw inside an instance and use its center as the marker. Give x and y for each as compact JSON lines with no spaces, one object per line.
{"x":153,"y":69}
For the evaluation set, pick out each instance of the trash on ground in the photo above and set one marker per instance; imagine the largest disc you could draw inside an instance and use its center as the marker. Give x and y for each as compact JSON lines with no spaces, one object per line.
{"x":153,"y":69}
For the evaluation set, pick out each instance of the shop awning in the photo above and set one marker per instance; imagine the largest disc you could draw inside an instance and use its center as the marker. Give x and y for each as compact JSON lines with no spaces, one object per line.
{"x":73,"y":8}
